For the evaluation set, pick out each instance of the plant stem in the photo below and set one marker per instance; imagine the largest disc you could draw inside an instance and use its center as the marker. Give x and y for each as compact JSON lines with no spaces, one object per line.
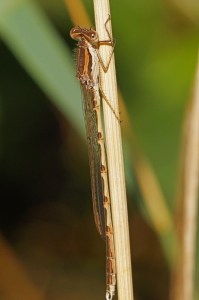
{"x":184,"y":273}
{"x":115,"y":160}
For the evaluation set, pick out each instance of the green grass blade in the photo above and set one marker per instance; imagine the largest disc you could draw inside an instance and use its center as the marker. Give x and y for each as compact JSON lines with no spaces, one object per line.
{"x":33,"y":40}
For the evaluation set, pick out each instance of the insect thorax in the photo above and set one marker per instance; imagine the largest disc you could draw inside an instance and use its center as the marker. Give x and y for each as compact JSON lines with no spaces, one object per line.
{"x":88,"y":66}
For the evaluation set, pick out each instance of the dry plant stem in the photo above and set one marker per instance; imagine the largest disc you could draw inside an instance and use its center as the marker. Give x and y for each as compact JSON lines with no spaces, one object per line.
{"x":150,"y":188}
{"x":148,"y":183}
{"x":183,"y":285}
{"x":191,"y":171}
{"x":187,"y":8}
{"x":115,"y":161}
{"x":144,"y":172}
{"x":161,"y":221}
{"x":77,"y":13}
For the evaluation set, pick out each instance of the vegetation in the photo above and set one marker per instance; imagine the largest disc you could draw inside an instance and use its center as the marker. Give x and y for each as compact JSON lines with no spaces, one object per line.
{"x":45,"y":212}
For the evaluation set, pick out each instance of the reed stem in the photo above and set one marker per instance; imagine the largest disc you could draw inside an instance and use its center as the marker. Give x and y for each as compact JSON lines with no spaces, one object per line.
{"x":115,"y":160}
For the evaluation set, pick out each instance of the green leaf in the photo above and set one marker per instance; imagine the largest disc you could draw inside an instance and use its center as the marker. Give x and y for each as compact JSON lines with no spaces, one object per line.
{"x":36,"y":44}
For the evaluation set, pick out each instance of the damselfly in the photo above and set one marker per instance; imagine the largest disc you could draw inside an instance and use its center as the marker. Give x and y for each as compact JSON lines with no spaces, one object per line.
{"x":88,"y":73}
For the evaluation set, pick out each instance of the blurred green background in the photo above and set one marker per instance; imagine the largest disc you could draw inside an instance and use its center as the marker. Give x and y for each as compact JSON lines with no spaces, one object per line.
{"x":46,"y":207}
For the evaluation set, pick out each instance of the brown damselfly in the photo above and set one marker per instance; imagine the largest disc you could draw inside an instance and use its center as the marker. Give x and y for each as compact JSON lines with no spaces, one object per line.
{"x":88,"y":73}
